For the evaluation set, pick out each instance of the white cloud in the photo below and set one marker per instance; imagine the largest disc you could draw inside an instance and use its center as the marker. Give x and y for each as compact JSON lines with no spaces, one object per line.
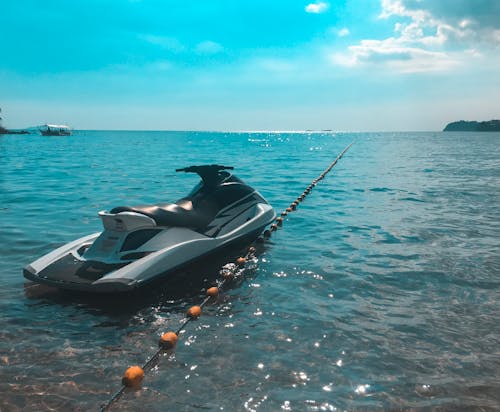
{"x":344,"y":32}
{"x":421,"y":42}
{"x":393,"y":55}
{"x":458,"y":21}
{"x":483,"y":13}
{"x":208,"y":47}
{"x":496,"y":36}
{"x":171,"y":44}
{"x":316,"y":8}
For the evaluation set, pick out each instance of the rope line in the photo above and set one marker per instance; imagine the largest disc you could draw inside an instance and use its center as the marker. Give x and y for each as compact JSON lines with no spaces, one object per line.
{"x":133,"y":376}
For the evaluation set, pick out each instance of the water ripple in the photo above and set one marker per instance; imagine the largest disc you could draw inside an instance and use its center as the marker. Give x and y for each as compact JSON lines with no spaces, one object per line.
{"x":380,"y":293}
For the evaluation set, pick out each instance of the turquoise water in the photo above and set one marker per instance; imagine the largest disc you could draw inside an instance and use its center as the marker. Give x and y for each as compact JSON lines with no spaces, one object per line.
{"x":380,"y":292}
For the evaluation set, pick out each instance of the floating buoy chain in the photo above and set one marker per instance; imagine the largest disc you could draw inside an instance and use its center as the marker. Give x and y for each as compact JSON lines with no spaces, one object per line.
{"x":293,"y":206}
{"x":133,"y":376}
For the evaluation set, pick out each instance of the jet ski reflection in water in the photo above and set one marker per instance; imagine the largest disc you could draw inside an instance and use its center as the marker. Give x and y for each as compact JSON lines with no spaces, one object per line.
{"x":140,"y":244}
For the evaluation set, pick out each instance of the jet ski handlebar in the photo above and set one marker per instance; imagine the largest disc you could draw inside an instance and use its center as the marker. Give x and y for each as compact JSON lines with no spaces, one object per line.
{"x":204,"y":169}
{"x":208,"y":173}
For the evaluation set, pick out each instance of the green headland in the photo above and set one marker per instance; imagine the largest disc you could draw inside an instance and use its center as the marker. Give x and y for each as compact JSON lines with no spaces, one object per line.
{"x":473,"y":126}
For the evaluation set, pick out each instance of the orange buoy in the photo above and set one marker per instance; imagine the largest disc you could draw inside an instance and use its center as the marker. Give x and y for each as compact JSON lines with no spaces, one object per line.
{"x":293,"y":206}
{"x":251,"y":249}
{"x":168,"y":340}
{"x":289,"y":209}
{"x":133,"y":376}
{"x":279,"y":220}
{"x":274,"y":227}
{"x":194,"y":312}
{"x":284,"y":213}
{"x":267,"y":233}
{"x":241,"y":261}
{"x":213,"y":291}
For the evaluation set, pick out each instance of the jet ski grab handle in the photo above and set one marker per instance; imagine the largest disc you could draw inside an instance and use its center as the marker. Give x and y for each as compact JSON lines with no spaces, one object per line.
{"x":208,"y":173}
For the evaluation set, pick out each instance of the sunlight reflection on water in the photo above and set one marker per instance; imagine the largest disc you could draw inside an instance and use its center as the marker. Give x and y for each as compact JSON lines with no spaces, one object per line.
{"x":380,"y":292}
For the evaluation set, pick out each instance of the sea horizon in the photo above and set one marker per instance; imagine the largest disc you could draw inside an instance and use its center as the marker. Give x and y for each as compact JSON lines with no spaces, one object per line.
{"x":293,"y":131}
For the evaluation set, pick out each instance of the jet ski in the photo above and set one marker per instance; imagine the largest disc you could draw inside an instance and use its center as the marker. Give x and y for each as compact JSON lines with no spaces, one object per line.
{"x":140,"y":244}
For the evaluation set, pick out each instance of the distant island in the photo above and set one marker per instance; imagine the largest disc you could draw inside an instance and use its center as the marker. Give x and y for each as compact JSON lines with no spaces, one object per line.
{"x":473,"y":126}
{"x":3,"y":130}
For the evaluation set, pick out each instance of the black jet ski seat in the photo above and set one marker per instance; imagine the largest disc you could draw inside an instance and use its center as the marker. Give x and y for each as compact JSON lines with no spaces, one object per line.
{"x":217,"y":190}
{"x":180,"y":214}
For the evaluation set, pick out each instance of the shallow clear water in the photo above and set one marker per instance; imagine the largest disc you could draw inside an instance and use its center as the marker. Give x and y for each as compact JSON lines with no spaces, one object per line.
{"x":380,"y":292}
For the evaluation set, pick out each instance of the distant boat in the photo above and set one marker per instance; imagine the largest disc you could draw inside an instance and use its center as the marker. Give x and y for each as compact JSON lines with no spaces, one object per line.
{"x":55,"y":130}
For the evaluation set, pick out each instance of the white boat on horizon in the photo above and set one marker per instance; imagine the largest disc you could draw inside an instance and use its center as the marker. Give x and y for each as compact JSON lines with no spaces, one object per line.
{"x":55,"y":130}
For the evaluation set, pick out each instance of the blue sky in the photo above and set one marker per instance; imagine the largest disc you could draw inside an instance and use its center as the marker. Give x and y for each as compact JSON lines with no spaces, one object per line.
{"x":253,"y":65}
